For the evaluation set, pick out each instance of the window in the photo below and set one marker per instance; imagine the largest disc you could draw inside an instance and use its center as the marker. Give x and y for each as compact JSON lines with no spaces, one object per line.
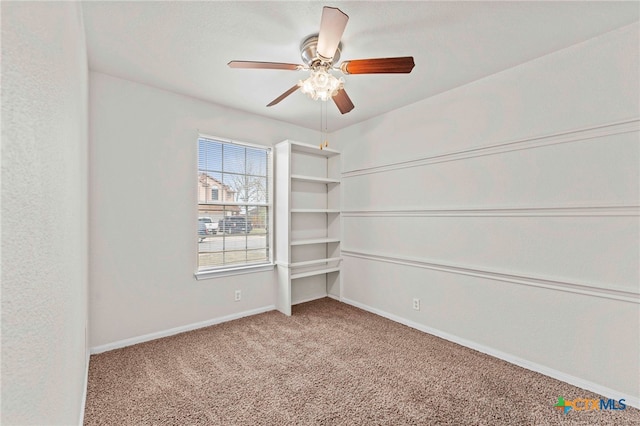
{"x":234,"y":181}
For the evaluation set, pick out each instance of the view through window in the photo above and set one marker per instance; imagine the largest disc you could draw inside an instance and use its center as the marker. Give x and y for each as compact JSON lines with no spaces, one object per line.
{"x":233,"y":204}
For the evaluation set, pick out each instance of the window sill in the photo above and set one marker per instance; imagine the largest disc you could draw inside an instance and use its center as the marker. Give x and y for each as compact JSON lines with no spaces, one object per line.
{"x":217,"y":273}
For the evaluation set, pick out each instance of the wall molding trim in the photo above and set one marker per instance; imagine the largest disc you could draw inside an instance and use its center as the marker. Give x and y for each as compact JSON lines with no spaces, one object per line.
{"x":176,"y":330}
{"x":608,"y":129}
{"x":609,"y":393}
{"x":550,"y":211}
{"x":588,"y":290}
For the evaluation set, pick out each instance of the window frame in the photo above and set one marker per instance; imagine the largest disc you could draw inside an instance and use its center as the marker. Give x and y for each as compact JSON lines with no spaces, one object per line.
{"x":221,"y":271}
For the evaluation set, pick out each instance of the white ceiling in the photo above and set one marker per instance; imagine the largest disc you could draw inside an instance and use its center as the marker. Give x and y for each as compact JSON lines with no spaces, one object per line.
{"x":184,"y":47}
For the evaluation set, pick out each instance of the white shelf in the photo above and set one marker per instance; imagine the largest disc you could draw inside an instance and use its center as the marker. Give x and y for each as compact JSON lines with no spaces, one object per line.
{"x":314,"y":179}
{"x":314,"y":262}
{"x":315,"y":272}
{"x":315,"y":241}
{"x":312,"y":149}
{"x":307,"y":222}
{"x":315,"y":211}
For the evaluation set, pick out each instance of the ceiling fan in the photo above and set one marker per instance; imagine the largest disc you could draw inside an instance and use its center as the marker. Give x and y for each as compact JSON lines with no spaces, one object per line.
{"x":320,"y":52}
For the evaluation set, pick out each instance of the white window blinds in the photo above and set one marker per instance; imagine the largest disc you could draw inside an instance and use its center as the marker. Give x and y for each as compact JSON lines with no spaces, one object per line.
{"x":234,"y":192}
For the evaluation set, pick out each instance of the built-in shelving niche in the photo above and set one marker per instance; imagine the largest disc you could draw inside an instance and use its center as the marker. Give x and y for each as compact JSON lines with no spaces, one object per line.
{"x":307,"y":221}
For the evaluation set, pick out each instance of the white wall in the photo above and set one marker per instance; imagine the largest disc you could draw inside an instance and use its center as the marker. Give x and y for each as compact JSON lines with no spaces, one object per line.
{"x":44,"y":213}
{"x":143,"y":211}
{"x":509,"y":206}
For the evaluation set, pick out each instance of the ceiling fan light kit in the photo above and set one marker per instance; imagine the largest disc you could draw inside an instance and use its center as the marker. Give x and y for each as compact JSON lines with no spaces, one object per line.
{"x":321,"y":85}
{"x":320,"y":52}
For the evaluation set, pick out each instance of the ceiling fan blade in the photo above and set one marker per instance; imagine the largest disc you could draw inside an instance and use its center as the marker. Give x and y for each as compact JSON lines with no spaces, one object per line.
{"x":284,"y":95}
{"x":378,"y":66}
{"x":343,"y":102}
{"x":264,"y":65}
{"x":332,"y":27}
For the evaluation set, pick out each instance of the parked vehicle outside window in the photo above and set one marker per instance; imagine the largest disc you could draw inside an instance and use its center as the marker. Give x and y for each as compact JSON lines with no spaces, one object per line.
{"x":235,"y":225}
{"x":202,"y":231}
{"x":211,"y":227}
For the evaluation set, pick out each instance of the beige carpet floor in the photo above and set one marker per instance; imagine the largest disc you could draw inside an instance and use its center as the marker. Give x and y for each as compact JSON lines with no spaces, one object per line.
{"x":328,"y":364}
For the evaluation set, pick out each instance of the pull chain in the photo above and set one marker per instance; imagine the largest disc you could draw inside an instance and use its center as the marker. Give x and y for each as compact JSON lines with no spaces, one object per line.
{"x":321,"y":134}
{"x":324,"y":143}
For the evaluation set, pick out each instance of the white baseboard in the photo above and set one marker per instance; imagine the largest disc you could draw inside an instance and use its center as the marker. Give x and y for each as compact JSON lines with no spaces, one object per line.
{"x":166,"y":333}
{"x":83,"y":403}
{"x":334,"y":297}
{"x":310,"y":299}
{"x":609,"y":393}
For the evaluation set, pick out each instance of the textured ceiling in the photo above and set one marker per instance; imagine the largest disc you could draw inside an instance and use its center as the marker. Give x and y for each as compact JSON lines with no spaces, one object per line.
{"x":184,"y":47}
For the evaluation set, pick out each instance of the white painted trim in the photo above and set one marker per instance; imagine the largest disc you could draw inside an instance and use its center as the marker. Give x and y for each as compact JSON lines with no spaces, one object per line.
{"x":609,"y":393}
{"x":244,"y":269}
{"x":234,"y":142}
{"x":547,"y":211}
{"x":177,"y":330}
{"x":314,"y":241}
{"x":314,"y":262}
{"x":315,"y":179}
{"x":326,"y":211}
{"x":234,"y":203}
{"x":311,"y":299}
{"x":589,"y":290}
{"x":331,"y":296}
{"x":305,"y":148}
{"x":608,"y":129}
{"x":83,"y":403}
{"x":311,"y":273}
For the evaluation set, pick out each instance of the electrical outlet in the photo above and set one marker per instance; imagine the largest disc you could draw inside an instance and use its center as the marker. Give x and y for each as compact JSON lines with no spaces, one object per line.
{"x":238,"y":295}
{"x":416,"y":304}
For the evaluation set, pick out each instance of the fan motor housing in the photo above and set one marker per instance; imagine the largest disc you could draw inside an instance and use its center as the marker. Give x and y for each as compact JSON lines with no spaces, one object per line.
{"x":309,"y":54}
